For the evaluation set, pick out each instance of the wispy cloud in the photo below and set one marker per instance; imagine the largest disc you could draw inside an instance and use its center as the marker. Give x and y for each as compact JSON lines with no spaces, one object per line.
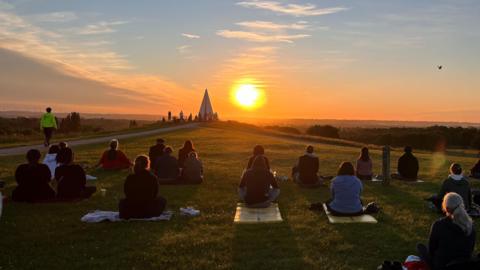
{"x":191,"y":36}
{"x":265,"y":25}
{"x":184,"y":49}
{"x":297,"y":10}
{"x":62,"y":16}
{"x":92,"y":63}
{"x":260,"y":37}
{"x":102,"y":27}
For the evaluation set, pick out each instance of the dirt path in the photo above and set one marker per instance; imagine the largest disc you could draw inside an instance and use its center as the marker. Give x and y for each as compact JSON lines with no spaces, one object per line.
{"x":23,"y":149}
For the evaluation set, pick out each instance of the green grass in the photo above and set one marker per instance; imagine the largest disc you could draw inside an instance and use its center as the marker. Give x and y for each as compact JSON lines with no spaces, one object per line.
{"x":51,"y":236}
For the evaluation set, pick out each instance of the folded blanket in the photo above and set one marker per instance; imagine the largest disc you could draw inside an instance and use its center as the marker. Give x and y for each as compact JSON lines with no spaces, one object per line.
{"x":99,"y":216}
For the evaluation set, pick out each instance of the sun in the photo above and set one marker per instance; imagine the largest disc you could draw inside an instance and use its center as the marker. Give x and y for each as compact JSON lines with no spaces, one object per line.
{"x":248,"y":96}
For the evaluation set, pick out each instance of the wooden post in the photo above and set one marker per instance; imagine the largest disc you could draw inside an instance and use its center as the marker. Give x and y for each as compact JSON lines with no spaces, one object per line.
{"x":386,"y":165}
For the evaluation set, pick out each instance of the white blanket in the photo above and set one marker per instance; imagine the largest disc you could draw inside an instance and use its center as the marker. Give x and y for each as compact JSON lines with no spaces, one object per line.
{"x":99,"y":216}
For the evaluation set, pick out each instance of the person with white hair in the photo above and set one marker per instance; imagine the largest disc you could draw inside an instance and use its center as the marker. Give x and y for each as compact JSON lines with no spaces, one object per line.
{"x":114,"y":159}
{"x":452,"y":238}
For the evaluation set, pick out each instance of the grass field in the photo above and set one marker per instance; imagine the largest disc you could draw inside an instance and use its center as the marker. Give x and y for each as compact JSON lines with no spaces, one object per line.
{"x":51,"y":236}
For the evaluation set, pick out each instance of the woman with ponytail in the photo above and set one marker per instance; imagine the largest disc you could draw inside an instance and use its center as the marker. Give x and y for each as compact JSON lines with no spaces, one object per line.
{"x":114,"y":159}
{"x":452,"y":238}
{"x":141,"y":193}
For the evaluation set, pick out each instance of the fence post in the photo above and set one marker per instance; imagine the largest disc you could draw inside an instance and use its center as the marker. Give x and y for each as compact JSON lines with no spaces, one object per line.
{"x":386,"y":165}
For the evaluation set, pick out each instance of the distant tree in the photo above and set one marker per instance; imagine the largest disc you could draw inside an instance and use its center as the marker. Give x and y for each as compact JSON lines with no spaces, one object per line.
{"x":196,"y":118}
{"x":190,"y":118}
{"x":133,"y":124}
{"x":324,"y":131}
{"x":290,"y":130}
{"x":169,"y":116}
{"x":215,"y":117}
{"x":71,"y":123}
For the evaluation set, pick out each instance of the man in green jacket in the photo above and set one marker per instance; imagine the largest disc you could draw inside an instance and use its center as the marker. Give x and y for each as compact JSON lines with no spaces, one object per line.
{"x":48,"y":124}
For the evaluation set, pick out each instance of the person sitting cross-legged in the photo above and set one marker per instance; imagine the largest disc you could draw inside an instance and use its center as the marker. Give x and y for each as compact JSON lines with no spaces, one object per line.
{"x":33,"y":180}
{"x":258,"y":187}
{"x":407,"y":166}
{"x":457,"y":183}
{"x":71,"y":179}
{"x":114,"y":159}
{"x":346,"y":190}
{"x":141,"y":193}
{"x":192,"y":172}
{"x":364,"y":165}
{"x":305,"y":173}
{"x":156,"y":150}
{"x":452,"y":238}
{"x":166,"y":167}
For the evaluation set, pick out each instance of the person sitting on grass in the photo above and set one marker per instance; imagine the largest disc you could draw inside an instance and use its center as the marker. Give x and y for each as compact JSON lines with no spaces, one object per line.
{"x":457,"y":183}
{"x":71,"y":179}
{"x":51,"y":158}
{"x":364,"y":165}
{"x":452,"y":238}
{"x":305,"y":173}
{"x":258,"y":188}
{"x":61,"y":153}
{"x":166,"y":167}
{"x":258,"y":150}
{"x":114,"y":159}
{"x":156,"y":151}
{"x":184,"y":151}
{"x":33,"y":180}
{"x":141,"y":193}
{"x":407,"y":166}
{"x":346,"y":190}
{"x":475,"y":171}
{"x":192,"y":172}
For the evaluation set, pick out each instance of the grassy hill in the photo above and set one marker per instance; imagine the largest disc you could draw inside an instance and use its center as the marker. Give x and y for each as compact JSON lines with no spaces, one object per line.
{"x":51,"y":236}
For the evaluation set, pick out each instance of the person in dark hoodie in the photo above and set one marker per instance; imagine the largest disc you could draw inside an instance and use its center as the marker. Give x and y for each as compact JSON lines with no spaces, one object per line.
{"x":157,"y":150}
{"x":258,"y":188}
{"x":305,"y":173}
{"x":141,"y":193}
{"x":184,"y":151}
{"x":33,"y":180}
{"x":457,"y":183}
{"x":71,"y":179}
{"x":166,"y":167}
{"x":452,"y":238}
{"x":407,"y":166}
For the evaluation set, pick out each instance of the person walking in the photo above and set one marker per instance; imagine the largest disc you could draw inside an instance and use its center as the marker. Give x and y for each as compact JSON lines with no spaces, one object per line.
{"x":48,"y":124}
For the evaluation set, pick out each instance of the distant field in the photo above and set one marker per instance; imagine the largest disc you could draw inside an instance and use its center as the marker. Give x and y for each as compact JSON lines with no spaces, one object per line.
{"x":51,"y":236}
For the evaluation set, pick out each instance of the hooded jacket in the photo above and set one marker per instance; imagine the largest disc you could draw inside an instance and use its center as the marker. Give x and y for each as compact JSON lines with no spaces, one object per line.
{"x":308,"y":165}
{"x":408,"y":166}
{"x":458,"y":184}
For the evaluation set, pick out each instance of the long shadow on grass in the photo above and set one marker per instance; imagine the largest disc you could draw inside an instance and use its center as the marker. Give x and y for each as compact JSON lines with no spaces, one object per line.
{"x":265,"y":246}
{"x":403,"y":222}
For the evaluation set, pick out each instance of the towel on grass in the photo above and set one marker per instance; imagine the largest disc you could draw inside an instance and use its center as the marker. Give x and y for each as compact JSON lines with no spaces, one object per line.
{"x":99,"y":216}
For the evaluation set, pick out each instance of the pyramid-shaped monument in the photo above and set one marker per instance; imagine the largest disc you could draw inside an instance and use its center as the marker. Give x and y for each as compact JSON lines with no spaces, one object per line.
{"x":206,"y":111}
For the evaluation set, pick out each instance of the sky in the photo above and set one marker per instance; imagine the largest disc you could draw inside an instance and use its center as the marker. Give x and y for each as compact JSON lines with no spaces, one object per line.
{"x":324,"y":59}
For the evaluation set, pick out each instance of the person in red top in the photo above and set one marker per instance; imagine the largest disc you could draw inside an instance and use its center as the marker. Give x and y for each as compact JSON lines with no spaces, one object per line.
{"x":114,"y":159}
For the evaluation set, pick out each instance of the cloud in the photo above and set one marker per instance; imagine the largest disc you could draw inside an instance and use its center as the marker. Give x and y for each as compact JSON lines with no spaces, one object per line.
{"x":103,"y":27}
{"x":191,"y":36}
{"x":260,"y":37}
{"x":62,"y":16}
{"x":92,"y":63}
{"x":296,"y":10}
{"x":264,"y":25}
{"x":184,"y":49}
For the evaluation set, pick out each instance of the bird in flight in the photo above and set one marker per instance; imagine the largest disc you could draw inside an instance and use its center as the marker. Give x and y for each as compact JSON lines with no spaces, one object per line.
{"x":439,"y":67}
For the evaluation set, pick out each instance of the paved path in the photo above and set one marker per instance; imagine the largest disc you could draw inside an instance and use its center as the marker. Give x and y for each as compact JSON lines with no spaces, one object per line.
{"x":23,"y":149}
